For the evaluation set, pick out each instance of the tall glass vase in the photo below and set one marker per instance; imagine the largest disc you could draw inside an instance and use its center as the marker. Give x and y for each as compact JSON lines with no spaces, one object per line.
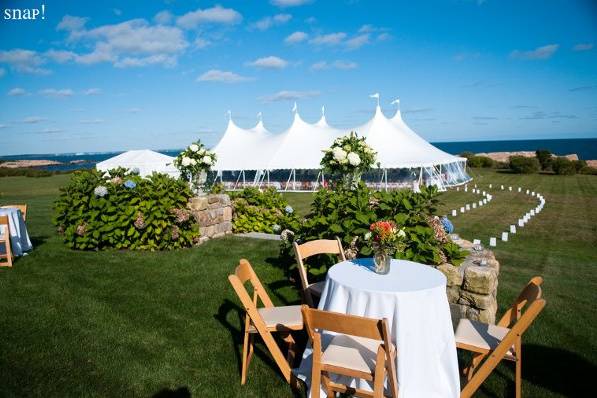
{"x":382,"y":258}
{"x":198,"y":183}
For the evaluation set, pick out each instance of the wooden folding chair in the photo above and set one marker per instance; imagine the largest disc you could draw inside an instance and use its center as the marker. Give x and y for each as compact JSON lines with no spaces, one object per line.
{"x":23,"y":209}
{"x":312,"y":248}
{"x":5,"y":241}
{"x":265,"y":321}
{"x":361,"y":349}
{"x":501,"y":341}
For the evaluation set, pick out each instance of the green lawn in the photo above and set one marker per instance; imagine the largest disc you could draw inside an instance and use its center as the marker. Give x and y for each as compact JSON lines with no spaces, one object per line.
{"x":143,"y":324}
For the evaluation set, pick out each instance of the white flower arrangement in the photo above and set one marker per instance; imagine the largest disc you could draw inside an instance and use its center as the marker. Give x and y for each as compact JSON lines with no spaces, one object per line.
{"x":194,"y":160}
{"x":348,"y":157}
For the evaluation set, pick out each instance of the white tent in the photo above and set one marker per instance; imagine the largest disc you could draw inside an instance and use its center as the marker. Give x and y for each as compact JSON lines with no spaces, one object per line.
{"x":145,"y":160}
{"x":300,"y":148}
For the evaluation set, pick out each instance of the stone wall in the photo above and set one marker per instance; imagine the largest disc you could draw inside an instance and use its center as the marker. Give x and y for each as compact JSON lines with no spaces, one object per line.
{"x":213,"y":214}
{"x":472,"y":287}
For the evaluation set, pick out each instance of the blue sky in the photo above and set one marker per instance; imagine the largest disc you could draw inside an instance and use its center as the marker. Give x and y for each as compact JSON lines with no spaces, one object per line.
{"x":99,"y":76}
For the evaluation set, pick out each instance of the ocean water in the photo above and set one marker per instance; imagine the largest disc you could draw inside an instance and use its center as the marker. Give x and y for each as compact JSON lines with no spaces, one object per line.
{"x":585,"y":148}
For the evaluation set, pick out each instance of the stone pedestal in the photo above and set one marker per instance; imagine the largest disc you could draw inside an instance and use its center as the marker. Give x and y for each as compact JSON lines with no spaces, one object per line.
{"x":213,"y":214}
{"x":472,"y":287}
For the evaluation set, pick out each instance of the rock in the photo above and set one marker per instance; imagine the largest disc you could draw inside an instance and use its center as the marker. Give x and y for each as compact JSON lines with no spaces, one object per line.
{"x":453,"y":294}
{"x":487,"y":315}
{"x":479,"y":279}
{"x":453,"y":274}
{"x":227,"y":216}
{"x":199,"y":203}
{"x":479,"y":301}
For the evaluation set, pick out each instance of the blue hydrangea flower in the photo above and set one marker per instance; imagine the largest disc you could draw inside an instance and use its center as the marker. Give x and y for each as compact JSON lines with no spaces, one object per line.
{"x":130,"y":184}
{"x":289,"y":209}
{"x":447,"y":224}
{"x":100,"y":191}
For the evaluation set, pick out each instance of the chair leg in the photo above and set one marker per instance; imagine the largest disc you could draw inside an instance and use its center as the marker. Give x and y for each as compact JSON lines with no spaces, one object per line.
{"x":477,"y":358}
{"x":325,"y":379}
{"x":247,"y":350}
{"x":518,"y":380}
{"x":8,"y":250}
{"x":315,"y":381}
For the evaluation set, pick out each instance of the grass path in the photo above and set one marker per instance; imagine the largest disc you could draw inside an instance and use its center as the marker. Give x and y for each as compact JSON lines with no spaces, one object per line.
{"x":140,"y":324}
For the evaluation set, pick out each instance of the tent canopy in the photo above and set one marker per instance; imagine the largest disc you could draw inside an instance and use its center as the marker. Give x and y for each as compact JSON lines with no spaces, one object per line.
{"x":145,"y":160}
{"x":301,"y":145}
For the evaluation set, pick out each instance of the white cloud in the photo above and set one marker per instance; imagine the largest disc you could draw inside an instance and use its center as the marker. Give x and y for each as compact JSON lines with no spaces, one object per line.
{"x":384,"y":36}
{"x":214,"y":15}
{"x":57,"y":93}
{"x":267,"y":22}
{"x":93,"y":91}
{"x":544,"y":52}
{"x":357,"y":41}
{"x":17,"y":92}
{"x":132,"y":43}
{"x":286,"y":95}
{"x":338,"y":64}
{"x":71,"y":23}
{"x":201,"y":43}
{"x":92,"y":121}
{"x":60,"y":56}
{"x":216,"y":75}
{"x":163,"y":17}
{"x":296,"y":37}
{"x":331,"y":39}
{"x":583,"y":47}
{"x":289,"y":3}
{"x":34,"y":119}
{"x":24,"y":61}
{"x":48,"y":131}
{"x":270,"y":62}
{"x":134,"y":110}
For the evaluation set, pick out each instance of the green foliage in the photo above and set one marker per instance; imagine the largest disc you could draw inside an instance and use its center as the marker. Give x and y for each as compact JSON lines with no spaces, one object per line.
{"x":545,"y":158}
{"x":25,"y":172}
{"x":454,"y":253}
{"x":563,"y":166}
{"x":97,"y":211}
{"x":217,"y":188}
{"x":588,"y":170}
{"x":524,"y":165}
{"x":480,"y":161}
{"x":261,"y":211}
{"x":348,"y":214}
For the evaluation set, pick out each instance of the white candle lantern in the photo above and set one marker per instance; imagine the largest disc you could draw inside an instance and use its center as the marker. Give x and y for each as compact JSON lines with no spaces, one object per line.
{"x":454,"y":213}
{"x":476,"y":242}
{"x":468,"y":207}
{"x":504,"y":236}
{"x":492,"y":242}
{"x":462,"y":209}
{"x":474,"y":205}
{"x":512,"y":229}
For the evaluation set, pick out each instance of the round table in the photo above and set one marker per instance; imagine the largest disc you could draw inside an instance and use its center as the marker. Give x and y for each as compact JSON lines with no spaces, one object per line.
{"x":412,"y":297}
{"x":19,"y":238}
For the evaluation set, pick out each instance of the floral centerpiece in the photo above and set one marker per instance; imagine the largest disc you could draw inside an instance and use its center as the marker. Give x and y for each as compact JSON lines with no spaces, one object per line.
{"x":194,"y":163}
{"x":348,"y":157}
{"x":386,"y":239}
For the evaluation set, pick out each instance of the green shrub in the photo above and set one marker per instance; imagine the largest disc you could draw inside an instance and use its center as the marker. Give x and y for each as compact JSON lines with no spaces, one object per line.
{"x":261,"y":211}
{"x":545,"y":158}
{"x":480,"y":161}
{"x":124,"y":211}
{"x":348,"y":215}
{"x":588,"y":170}
{"x":563,"y":166}
{"x":24,"y":172}
{"x":524,"y":165}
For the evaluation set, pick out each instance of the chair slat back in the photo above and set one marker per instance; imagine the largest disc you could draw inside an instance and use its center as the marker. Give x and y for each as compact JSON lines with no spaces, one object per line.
{"x":22,"y":208}
{"x":244,"y":273}
{"x":500,"y":351}
{"x":342,"y":323}
{"x":315,"y":247}
{"x":531,"y":292}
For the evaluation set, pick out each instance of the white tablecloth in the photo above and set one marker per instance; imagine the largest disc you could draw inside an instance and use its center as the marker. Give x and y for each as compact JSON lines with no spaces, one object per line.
{"x":413,"y":298}
{"x":19,"y":238}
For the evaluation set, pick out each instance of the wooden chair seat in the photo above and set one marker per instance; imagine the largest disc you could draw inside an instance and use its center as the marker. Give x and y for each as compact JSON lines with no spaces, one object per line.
{"x":481,"y":337}
{"x":351,"y":352}
{"x":315,"y":289}
{"x":280,"y":318}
